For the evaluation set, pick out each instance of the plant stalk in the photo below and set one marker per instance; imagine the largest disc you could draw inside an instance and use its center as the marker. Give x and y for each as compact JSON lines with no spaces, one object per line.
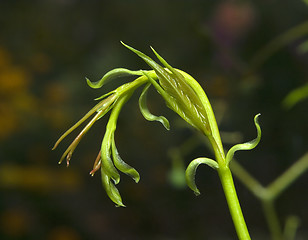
{"x":227,"y":183}
{"x":272,"y":219}
{"x":233,"y":203}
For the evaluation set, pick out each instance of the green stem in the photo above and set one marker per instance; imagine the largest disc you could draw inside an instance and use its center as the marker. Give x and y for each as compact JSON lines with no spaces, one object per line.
{"x":263,"y":195}
{"x":233,"y":203}
{"x":287,"y":178}
{"x":267,"y":195}
{"x":291,"y":226}
{"x":226,"y":180}
{"x":272,"y":219}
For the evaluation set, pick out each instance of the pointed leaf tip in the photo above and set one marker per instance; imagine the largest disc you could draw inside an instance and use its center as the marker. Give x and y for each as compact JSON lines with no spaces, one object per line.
{"x":88,"y":81}
{"x":123,"y":166}
{"x":111,"y":75}
{"x":248,"y":145}
{"x":111,"y":190}
{"x":191,"y":172}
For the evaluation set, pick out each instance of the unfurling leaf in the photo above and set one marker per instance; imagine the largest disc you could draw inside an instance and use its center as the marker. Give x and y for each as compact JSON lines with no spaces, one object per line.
{"x":110,"y":188}
{"x":122,"y":166}
{"x":248,"y":145}
{"x":146,"y":113}
{"x":178,"y":93}
{"x":192,"y":168}
{"x":181,"y":92}
{"x":107,"y":162}
{"x":115,"y":73}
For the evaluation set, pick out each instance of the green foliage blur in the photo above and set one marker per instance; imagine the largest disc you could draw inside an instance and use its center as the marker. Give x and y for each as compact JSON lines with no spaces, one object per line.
{"x":48,"y":47}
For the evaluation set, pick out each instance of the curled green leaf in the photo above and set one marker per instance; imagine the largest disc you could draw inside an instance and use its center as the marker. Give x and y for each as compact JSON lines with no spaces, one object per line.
{"x":109,"y":167}
{"x":123,"y":166}
{"x":115,"y":73}
{"x":145,"y":111}
{"x":110,"y":188}
{"x":191,"y":171}
{"x":107,"y":162}
{"x":248,"y":145}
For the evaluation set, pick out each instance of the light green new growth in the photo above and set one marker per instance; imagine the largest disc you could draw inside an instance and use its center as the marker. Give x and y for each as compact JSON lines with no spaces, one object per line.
{"x":248,"y":145}
{"x":145,"y":111}
{"x":182,"y":94}
{"x":191,"y":171}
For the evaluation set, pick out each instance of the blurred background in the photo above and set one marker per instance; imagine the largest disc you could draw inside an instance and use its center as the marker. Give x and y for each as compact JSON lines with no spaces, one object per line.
{"x":247,"y":55}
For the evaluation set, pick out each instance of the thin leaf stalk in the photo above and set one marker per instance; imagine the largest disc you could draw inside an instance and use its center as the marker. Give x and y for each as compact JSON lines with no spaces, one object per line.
{"x":233,"y":203}
{"x":272,"y":219}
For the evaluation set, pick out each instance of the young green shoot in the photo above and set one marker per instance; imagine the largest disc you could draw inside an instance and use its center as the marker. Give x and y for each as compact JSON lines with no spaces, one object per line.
{"x":183,"y":95}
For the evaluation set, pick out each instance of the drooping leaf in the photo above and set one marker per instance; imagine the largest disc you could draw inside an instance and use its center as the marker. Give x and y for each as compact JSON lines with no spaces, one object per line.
{"x":123,"y":166}
{"x":110,"y":188}
{"x":146,"y":113}
{"x":192,"y":168}
{"x":106,"y":148}
{"x":115,"y":73}
{"x":107,"y":162}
